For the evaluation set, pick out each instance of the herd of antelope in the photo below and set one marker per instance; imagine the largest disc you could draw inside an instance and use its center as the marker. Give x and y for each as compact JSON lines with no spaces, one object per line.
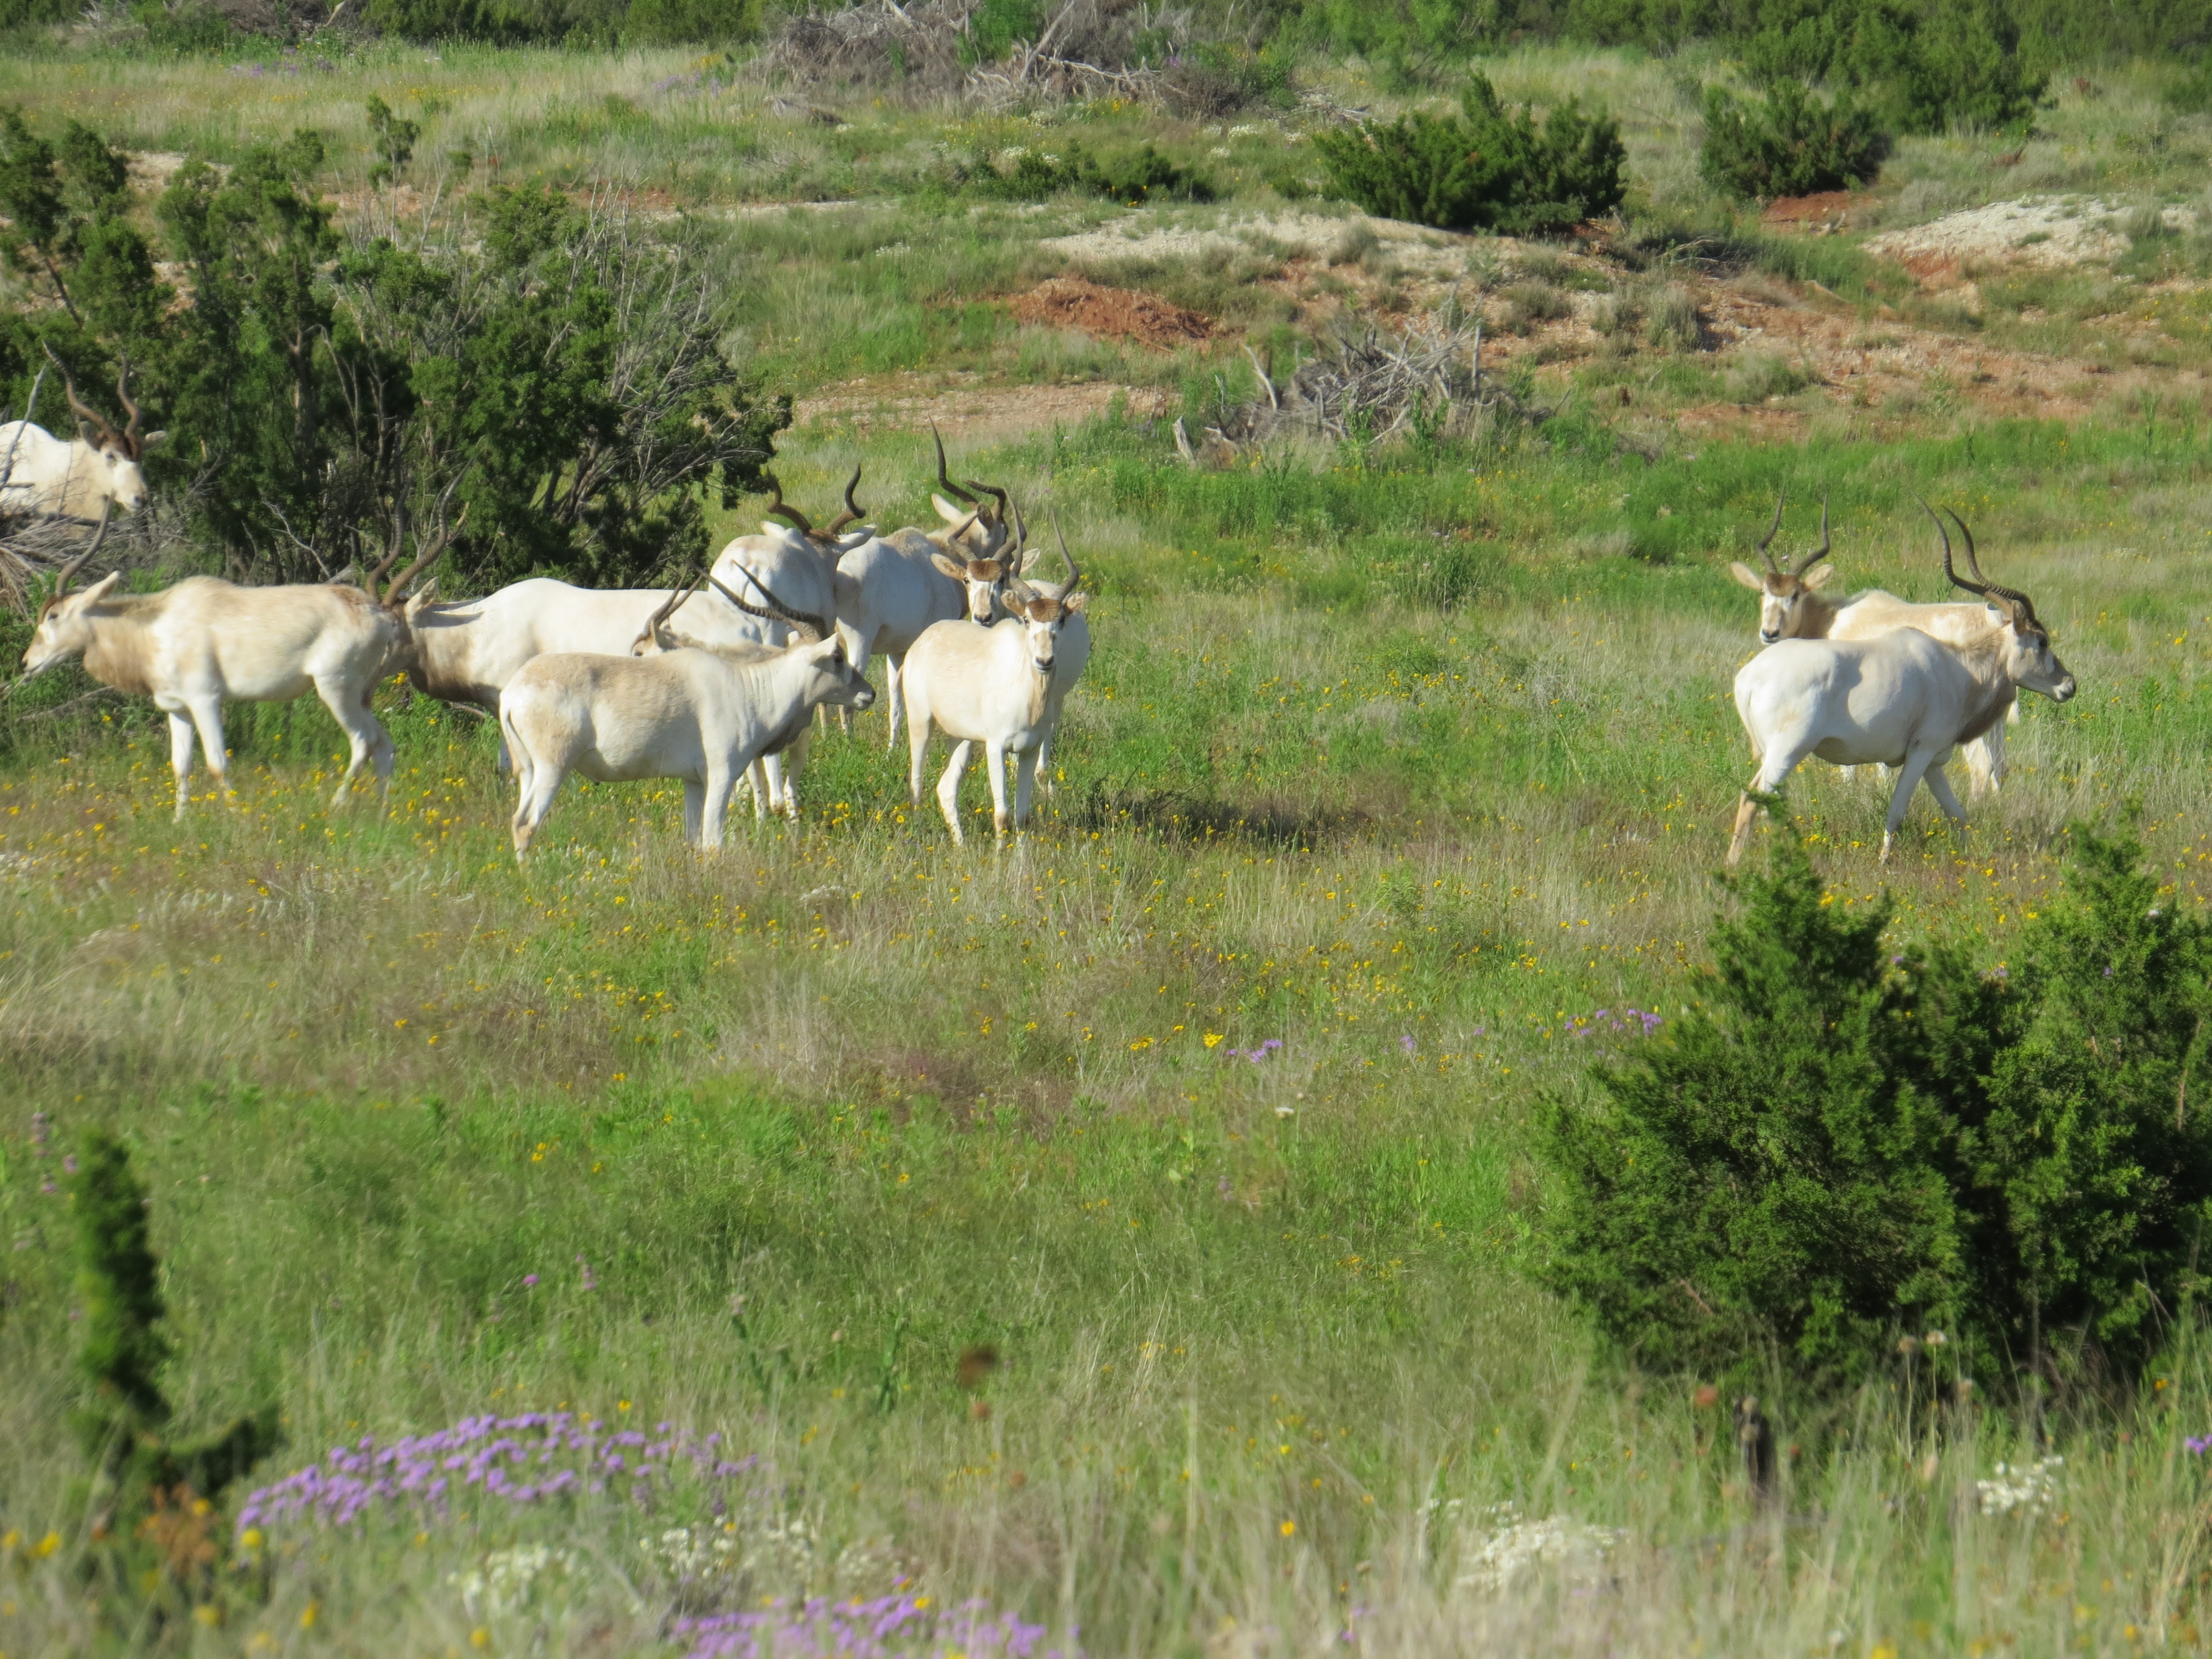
{"x":713,"y":682}
{"x":716,"y":682}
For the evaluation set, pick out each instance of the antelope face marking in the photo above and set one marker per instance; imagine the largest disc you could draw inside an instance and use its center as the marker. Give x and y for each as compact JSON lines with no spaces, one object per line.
{"x":1782,"y":598}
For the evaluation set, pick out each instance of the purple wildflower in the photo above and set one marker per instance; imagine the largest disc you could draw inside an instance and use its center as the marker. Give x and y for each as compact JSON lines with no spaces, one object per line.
{"x":2198,"y":1444}
{"x":1406,"y":1042}
{"x":591,"y":1281}
{"x":68,"y":1164}
{"x":42,"y":1130}
{"x":863,"y":1625}
{"x":529,"y":1281}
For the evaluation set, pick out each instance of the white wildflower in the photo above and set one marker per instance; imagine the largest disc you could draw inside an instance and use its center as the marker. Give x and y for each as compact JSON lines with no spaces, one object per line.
{"x":1512,"y":1548}
{"x":1220,"y":152}
{"x":506,"y":1580}
{"x":2020,"y":1488}
{"x":1008,"y":158}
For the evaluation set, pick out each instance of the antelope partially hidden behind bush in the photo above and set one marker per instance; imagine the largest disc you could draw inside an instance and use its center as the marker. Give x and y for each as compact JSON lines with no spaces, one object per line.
{"x":1903,"y":699}
{"x":1792,"y":607}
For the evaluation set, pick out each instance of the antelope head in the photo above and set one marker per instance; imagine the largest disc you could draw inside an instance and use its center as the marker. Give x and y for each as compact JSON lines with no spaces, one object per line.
{"x":1783,"y":610}
{"x":974,"y":527}
{"x":1043,"y":613}
{"x":2029,"y":658}
{"x":121,"y":479}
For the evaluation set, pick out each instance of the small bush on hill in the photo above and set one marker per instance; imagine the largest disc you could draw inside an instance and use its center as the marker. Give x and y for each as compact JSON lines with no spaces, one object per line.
{"x":1492,"y":169}
{"x":1788,"y":144}
{"x":1849,"y":1142}
{"x":1145,"y":175}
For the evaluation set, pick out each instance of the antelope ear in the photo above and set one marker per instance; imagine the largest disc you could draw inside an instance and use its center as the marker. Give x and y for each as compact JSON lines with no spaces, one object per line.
{"x":422,"y":596}
{"x":777,"y":529}
{"x":84,"y":431}
{"x":99,"y":590}
{"x":951,"y":568}
{"x":153,"y":441}
{"x":946,"y":511}
{"x":1818,"y":576}
{"x":1075,"y":601}
{"x":1750,"y":578}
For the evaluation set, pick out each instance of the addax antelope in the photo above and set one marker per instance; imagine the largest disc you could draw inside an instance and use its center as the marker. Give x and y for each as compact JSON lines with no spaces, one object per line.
{"x":80,"y":476}
{"x":191,"y":647}
{"x":703,"y":715}
{"x":1902,"y":699}
{"x":1792,"y":607}
{"x":988,"y":685}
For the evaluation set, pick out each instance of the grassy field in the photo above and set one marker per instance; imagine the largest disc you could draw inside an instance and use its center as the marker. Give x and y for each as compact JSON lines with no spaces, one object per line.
{"x":1130,"y":1240}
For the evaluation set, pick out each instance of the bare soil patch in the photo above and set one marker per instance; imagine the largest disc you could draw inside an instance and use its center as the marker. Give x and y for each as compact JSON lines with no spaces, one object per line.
{"x":1819,"y":215}
{"x":1112,"y":313}
{"x":909,"y":403}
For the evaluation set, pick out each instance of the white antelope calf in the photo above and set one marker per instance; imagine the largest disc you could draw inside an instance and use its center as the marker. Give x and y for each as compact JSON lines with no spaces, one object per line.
{"x":76,"y":477}
{"x":699,"y":714}
{"x":988,"y":685}
{"x":1903,"y":699}
{"x":1792,"y":607}
{"x":191,"y":647}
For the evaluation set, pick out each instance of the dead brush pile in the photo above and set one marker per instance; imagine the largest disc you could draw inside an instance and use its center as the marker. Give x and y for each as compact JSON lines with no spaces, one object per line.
{"x":1371,"y":386}
{"x":1087,"y":49}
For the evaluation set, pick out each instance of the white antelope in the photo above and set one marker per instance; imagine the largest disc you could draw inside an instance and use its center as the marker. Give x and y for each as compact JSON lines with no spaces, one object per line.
{"x":468,"y":651}
{"x":76,"y":477}
{"x":703,"y":714}
{"x":988,"y":685}
{"x":1902,"y":698}
{"x":191,"y":647}
{"x":894,"y":588}
{"x":986,"y":580}
{"x":1792,"y":607}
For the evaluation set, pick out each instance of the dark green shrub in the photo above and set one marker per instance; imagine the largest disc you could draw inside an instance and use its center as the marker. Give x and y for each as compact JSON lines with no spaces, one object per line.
{"x":1963,"y":68}
{"x":2192,"y":94}
{"x":1847,"y":1142}
{"x":1144,"y":176}
{"x":392,"y":139}
{"x":1493,"y":169}
{"x":154,"y":1544}
{"x":2095,"y":1160}
{"x":1781,"y":1176}
{"x":1788,"y":144}
{"x":670,"y":23}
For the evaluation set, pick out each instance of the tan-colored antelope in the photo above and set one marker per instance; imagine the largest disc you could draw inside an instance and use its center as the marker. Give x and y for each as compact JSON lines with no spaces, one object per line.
{"x":703,"y":714}
{"x":191,"y":647}
{"x":988,"y":685}
{"x":80,"y":476}
{"x":1792,"y":607}
{"x":1903,"y":698}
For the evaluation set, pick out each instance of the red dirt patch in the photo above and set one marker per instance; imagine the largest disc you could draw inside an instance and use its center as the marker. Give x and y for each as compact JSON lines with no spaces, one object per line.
{"x":1827,"y":210}
{"x":1112,"y":313}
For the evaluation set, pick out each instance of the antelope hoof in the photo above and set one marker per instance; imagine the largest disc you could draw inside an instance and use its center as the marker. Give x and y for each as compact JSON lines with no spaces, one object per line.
{"x":1883,"y":858}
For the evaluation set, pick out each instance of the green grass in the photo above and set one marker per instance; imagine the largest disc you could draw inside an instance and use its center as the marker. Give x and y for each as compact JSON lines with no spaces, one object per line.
{"x":1407,"y":746}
